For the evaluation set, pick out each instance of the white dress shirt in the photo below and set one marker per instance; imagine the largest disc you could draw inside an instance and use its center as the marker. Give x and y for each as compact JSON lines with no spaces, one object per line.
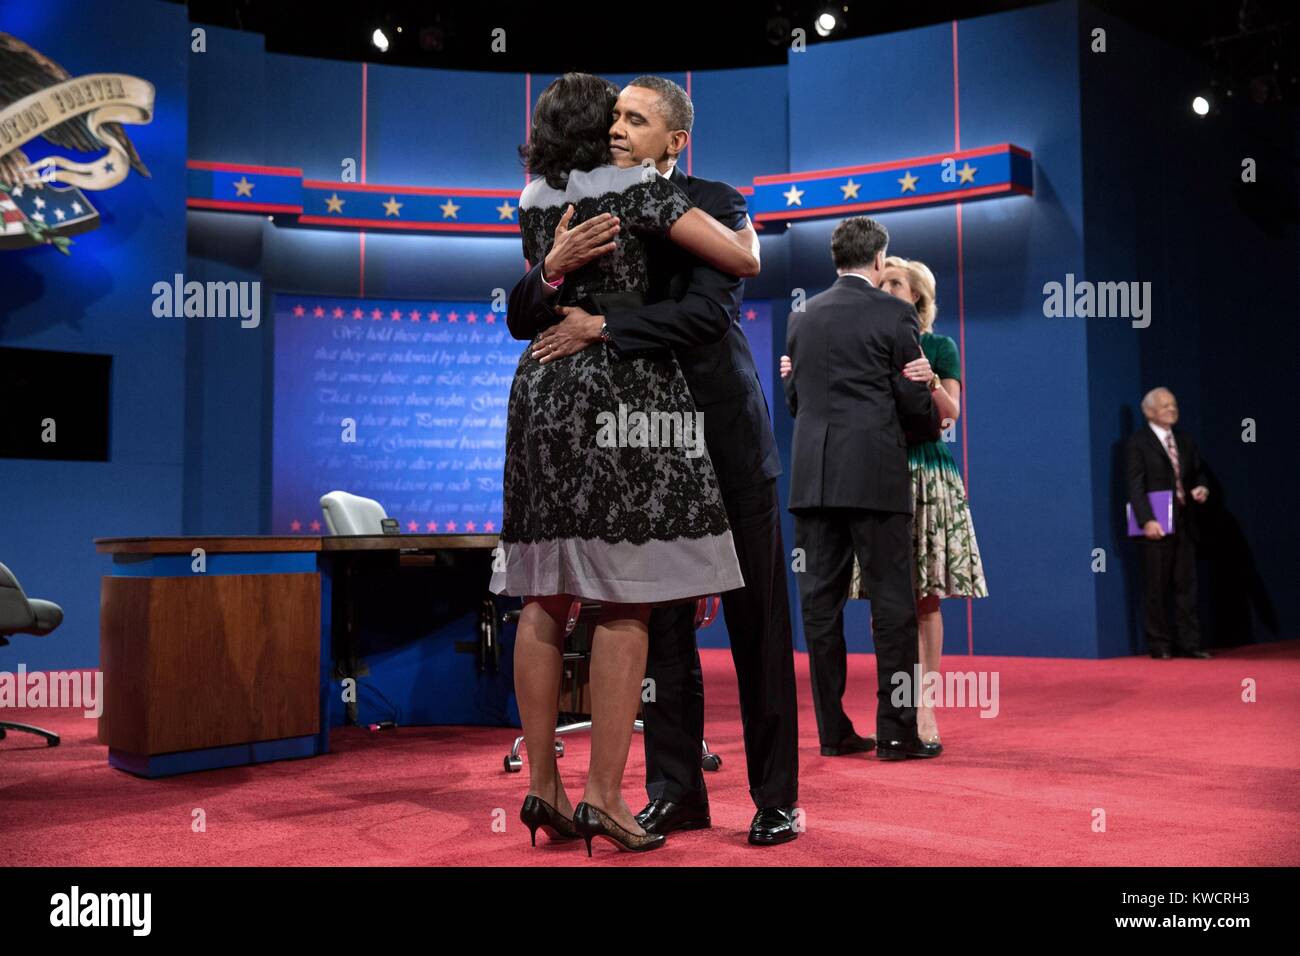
{"x":865,"y":279}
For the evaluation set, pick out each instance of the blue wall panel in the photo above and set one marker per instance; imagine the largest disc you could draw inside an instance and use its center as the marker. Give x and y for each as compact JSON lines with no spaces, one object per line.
{"x":228,"y":93}
{"x":314,"y":119}
{"x":443,"y":128}
{"x":99,"y":300}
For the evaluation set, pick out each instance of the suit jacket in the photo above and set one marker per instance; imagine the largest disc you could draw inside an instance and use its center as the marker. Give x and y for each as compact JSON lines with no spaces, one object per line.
{"x":693,"y":310}
{"x":850,"y":401}
{"x":1148,"y":468}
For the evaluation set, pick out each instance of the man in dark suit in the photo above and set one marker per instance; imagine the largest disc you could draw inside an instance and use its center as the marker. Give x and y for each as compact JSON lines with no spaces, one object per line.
{"x":1158,"y":458}
{"x":692,"y":310}
{"x":850,"y":488}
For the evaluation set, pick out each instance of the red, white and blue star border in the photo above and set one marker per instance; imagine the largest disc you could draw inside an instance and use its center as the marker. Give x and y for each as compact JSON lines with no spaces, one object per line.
{"x":985,"y":172}
{"x":959,"y":176}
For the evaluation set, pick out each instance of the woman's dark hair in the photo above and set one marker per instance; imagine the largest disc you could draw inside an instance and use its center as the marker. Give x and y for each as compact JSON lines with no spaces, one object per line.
{"x":570,"y":127}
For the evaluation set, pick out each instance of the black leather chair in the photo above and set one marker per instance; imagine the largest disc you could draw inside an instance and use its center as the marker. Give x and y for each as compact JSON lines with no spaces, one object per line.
{"x":20,"y":614}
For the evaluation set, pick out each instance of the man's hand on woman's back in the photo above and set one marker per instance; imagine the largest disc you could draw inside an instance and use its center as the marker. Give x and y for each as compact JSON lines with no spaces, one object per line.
{"x":574,"y":248}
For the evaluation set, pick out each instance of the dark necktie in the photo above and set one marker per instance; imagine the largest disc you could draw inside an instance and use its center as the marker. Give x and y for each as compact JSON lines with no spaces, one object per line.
{"x":1172,"y":448}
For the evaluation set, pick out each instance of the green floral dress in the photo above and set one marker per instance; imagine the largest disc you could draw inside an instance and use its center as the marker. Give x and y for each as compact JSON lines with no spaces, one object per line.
{"x":947,"y":557}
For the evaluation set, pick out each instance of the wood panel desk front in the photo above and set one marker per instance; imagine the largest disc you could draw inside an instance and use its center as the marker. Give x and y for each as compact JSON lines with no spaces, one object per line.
{"x":216,"y":651}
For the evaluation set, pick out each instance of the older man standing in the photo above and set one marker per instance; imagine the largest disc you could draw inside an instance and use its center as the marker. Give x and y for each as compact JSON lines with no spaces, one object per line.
{"x":1161,"y":459}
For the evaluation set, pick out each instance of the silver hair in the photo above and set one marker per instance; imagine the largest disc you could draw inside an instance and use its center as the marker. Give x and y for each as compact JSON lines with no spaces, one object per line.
{"x":1149,"y":398}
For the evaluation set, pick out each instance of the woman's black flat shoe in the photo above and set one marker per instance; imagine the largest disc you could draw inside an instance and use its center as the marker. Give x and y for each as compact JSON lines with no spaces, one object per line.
{"x":537,"y":814}
{"x":593,"y":822}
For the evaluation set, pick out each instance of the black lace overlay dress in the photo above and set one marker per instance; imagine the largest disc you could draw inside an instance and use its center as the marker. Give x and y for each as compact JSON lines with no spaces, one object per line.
{"x":609,"y":491}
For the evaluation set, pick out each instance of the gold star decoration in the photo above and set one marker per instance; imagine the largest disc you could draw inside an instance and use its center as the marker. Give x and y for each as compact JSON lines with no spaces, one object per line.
{"x":334,"y":204}
{"x":506,"y":210}
{"x":794,"y":195}
{"x":449,"y":209}
{"x":850,"y":189}
{"x":908,"y":182}
{"x":967,"y":173}
{"x":392,"y":207}
{"x":244,"y":187}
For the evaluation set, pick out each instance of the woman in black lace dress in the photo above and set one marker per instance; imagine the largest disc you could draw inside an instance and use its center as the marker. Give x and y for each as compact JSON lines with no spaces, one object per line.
{"x":610,"y":495}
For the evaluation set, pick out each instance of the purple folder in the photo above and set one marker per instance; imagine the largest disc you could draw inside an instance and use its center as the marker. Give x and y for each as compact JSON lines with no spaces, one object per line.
{"x":1162,"y":504}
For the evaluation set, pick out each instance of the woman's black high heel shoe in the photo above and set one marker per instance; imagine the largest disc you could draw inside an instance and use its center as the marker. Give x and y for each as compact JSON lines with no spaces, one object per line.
{"x":593,"y":822}
{"x":537,"y":814}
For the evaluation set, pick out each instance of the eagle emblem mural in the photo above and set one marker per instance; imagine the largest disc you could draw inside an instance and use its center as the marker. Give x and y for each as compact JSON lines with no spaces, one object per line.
{"x":43,"y":202}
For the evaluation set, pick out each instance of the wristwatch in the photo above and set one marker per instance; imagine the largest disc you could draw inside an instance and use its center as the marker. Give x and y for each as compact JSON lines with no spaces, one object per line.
{"x":935,"y":381}
{"x":604,"y":332}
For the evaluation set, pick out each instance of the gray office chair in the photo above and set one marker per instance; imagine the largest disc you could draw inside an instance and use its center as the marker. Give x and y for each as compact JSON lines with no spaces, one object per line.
{"x":352,"y":514}
{"x":20,"y":614}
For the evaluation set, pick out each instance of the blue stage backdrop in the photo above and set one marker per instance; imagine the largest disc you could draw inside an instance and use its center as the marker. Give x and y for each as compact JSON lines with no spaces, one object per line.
{"x":1014,"y":78}
{"x":403,"y":401}
{"x":98,"y":300}
{"x":397,"y":400}
{"x":1046,"y":401}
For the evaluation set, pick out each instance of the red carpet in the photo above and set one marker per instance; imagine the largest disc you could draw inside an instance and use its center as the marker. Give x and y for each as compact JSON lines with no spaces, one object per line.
{"x":1186,"y":773}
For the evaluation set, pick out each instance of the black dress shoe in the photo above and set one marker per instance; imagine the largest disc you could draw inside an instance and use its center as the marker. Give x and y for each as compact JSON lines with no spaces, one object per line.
{"x":773,"y":825}
{"x":852,"y":744}
{"x":1162,"y":655}
{"x":591,"y":821}
{"x":903,"y":749}
{"x":537,"y":814}
{"x":1198,"y":654}
{"x":664,"y":816}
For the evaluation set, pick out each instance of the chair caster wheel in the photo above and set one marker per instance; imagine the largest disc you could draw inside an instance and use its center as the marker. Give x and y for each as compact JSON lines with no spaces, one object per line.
{"x":711,"y":762}
{"x":513,"y":764}
{"x":2,"y":733}
{"x":559,"y":748}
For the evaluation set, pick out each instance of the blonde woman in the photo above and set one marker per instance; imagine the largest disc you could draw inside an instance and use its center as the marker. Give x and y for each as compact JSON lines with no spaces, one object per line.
{"x":947,"y":557}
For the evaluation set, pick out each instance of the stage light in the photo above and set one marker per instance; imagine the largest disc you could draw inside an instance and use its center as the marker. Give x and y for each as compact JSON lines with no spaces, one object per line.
{"x":1200,"y":106}
{"x":831,"y":19}
{"x":778,"y":29}
{"x":380,"y":40}
{"x":432,"y":37}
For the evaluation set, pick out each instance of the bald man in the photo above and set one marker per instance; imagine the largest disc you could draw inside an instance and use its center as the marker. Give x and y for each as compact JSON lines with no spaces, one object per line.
{"x":1159,"y":458}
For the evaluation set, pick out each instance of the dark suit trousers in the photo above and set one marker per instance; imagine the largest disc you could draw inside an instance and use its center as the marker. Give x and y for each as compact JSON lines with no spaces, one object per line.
{"x":829,"y":537}
{"x":1170,"y":565}
{"x":758,"y":622}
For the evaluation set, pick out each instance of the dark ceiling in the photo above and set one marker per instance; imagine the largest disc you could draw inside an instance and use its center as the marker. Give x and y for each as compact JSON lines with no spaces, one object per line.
{"x":1246,"y":44}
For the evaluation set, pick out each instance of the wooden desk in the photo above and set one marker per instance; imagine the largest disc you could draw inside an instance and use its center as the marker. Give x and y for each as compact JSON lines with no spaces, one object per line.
{"x":216,"y":650}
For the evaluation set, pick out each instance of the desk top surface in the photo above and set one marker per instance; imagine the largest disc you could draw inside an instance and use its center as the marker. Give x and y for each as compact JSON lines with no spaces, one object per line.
{"x":297,"y":542}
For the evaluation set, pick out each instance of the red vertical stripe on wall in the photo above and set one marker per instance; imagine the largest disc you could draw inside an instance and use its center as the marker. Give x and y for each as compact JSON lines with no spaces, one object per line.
{"x":528,"y":131}
{"x":365,"y":82}
{"x":961,"y":326}
{"x":365,"y":78}
{"x":956,"y":97}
